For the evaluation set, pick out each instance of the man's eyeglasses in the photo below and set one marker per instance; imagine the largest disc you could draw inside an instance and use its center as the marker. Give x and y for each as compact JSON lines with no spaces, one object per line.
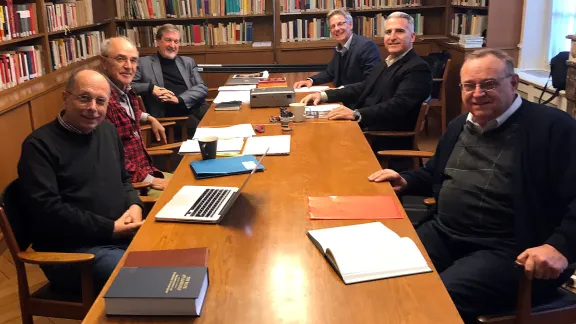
{"x":86,"y":99}
{"x":121,"y":59}
{"x":486,"y":85}
{"x":339,"y":24}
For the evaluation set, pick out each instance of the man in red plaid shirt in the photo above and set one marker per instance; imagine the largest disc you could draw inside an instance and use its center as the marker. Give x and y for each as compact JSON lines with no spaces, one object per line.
{"x":119,"y":63}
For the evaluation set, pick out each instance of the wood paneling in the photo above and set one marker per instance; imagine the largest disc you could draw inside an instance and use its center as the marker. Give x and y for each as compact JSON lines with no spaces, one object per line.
{"x":14,"y":127}
{"x":255,"y":57}
{"x":310,"y":56}
{"x":45,"y":108}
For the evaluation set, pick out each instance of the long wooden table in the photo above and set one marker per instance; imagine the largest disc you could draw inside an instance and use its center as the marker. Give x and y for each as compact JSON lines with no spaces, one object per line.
{"x":263,"y":268}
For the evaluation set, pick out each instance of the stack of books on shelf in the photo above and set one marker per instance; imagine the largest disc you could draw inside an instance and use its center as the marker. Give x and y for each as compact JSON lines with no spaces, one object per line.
{"x":468,"y":24}
{"x":69,"y":14}
{"x":67,"y":50}
{"x":470,"y":3}
{"x":311,"y":29}
{"x":194,"y":35}
{"x":18,"y":20}
{"x":470,"y":41}
{"x":20,"y":65}
{"x":147,"y":9}
{"x":298,"y":6}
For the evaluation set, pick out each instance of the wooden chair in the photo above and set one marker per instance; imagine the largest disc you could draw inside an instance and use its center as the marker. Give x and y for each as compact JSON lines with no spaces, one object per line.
{"x":440,"y":64}
{"x":561,"y":309}
{"x":415,"y":154}
{"x":45,"y":301}
{"x":176,"y":121}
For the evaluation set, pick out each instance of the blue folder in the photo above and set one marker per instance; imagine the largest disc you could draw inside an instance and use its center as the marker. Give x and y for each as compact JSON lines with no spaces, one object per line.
{"x":223,"y":166}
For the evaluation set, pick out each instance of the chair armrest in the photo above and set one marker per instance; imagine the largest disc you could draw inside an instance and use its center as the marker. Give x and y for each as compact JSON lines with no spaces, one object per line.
{"x":171,"y":119}
{"x":148,"y":127}
{"x":429,"y":202}
{"x":55,"y":257}
{"x":406,"y":153}
{"x":141,"y":185}
{"x":387,"y":133}
{"x":170,"y":146}
{"x":159,"y":152}
{"x":148,"y":199}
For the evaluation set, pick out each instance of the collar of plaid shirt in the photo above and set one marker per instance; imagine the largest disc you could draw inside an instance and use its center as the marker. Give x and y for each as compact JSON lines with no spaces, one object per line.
{"x":69,"y":126}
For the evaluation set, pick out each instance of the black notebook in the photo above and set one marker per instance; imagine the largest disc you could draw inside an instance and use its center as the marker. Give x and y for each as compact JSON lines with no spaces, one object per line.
{"x":157,"y":291}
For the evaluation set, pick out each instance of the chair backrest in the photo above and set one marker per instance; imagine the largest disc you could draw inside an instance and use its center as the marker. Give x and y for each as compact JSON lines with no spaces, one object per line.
{"x":439,"y":65}
{"x":141,"y":104}
{"x":12,"y":219}
{"x":420,"y":123}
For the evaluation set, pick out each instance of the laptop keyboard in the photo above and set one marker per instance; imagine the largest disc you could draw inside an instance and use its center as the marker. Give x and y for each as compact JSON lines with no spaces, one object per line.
{"x":208,"y":203}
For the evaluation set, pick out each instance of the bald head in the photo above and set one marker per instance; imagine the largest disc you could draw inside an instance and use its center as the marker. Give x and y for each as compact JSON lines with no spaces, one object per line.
{"x":119,"y":60}
{"x":86,"y":100}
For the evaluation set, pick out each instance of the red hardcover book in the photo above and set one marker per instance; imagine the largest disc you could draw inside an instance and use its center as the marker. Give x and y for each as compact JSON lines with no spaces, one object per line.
{"x":193,"y":257}
{"x":353,"y":207}
{"x":10,"y":6}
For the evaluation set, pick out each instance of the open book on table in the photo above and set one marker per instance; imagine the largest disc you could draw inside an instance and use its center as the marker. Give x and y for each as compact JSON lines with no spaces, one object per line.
{"x":368,"y":252}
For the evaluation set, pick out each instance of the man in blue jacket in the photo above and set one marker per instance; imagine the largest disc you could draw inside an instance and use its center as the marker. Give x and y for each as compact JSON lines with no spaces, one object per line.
{"x":503,"y":177}
{"x":354,"y":55}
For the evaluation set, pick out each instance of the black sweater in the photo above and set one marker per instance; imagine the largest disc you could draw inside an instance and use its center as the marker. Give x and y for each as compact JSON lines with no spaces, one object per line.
{"x":75,"y":186}
{"x":542,"y":181}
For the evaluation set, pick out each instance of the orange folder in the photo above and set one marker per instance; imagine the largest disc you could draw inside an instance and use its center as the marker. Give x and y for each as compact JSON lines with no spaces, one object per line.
{"x":353,"y":207}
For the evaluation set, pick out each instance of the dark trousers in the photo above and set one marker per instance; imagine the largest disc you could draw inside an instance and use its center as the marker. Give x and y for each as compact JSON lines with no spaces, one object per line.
{"x":480,"y":278}
{"x":195,"y":115}
{"x":67,"y":277}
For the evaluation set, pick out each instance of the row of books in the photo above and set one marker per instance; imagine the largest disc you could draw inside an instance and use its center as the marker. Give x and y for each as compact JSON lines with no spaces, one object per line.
{"x":195,"y":35}
{"x":471,"y":41}
{"x":20,"y":65}
{"x":299,"y":30}
{"x":468,"y":24}
{"x":147,"y":9}
{"x":62,"y":16}
{"x":67,"y":50}
{"x":470,"y":3}
{"x":18,"y":20}
{"x":298,"y":6}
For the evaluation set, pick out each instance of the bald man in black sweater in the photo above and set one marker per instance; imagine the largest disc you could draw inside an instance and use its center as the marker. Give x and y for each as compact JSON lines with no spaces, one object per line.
{"x":79,"y":197}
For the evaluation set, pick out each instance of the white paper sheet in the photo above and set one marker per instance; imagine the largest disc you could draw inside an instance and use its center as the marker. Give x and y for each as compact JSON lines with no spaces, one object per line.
{"x":311,"y":89}
{"x":240,"y":130}
{"x":225,"y":96}
{"x":278,"y":144}
{"x":246,"y":87}
{"x":232,"y":145}
{"x":321,"y":108}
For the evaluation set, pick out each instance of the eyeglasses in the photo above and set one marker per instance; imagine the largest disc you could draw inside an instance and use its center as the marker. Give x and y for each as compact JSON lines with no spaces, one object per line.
{"x":121,"y":59}
{"x":339,"y":24}
{"x":86,"y":99}
{"x":486,"y":85}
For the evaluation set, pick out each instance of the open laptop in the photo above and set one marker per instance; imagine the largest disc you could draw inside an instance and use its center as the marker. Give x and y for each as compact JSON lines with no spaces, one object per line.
{"x":202,"y":204}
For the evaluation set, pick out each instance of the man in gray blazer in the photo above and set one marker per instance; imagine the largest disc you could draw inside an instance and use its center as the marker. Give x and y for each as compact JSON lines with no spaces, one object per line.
{"x":170,"y":85}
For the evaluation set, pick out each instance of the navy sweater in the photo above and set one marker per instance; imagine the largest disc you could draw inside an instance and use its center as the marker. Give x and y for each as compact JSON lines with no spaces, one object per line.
{"x":543,"y":177}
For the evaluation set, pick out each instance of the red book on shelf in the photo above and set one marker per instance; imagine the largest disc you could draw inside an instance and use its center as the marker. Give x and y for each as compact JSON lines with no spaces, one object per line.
{"x":12,"y":18}
{"x":32,"y":9}
{"x":353,"y":207}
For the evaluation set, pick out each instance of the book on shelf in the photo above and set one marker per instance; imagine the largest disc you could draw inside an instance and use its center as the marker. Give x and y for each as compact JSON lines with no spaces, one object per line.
{"x":368,"y":251}
{"x":299,"y":6}
{"x":22,"y":64}
{"x":17,"y":20}
{"x":153,"y":290}
{"x":157,"y":9}
{"x":195,"y":34}
{"x":470,"y":3}
{"x":74,"y":48}
{"x":468,"y":24}
{"x":66,"y":14}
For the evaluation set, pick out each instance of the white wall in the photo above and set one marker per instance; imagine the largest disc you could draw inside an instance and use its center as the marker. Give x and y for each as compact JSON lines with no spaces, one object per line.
{"x":535,"y":34}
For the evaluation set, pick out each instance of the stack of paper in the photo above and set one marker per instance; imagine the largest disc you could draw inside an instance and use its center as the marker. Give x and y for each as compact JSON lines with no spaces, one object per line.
{"x":311,"y":89}
{"x":240,"y":130}
{"x":226,"y":96}
{"x":276,"y":145}
{"x":320,"y":111}
{"x":245,"y":87}
{"x":232,"y":146}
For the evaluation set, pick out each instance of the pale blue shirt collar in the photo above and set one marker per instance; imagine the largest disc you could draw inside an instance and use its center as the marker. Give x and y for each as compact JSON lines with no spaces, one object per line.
{"x":391,"y":60}
{"x":343,"y":49}
{"x":495,"y":123}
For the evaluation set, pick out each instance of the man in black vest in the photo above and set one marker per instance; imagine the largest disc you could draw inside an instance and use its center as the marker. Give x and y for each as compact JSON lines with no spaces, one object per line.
{"x":390,"y":98}
{"x":354,"y":55}
{"x":169,"y":84}
{"x":503,"y":178}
